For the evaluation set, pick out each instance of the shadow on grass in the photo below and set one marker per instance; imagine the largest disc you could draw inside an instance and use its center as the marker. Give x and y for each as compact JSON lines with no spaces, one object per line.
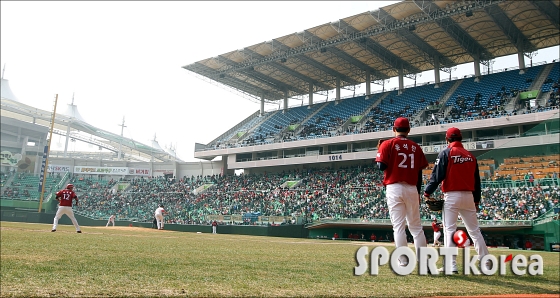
{"x":521,"y":284}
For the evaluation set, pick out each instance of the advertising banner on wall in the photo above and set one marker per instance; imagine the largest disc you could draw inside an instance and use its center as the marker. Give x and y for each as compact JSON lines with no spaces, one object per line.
{"x":7,"y":158}
{"x":59,"y":169}
{"x":43,"y":164}
{"x":467,"y":145}
{"x":485,"y":145}
{"x":101,"y":170}
{"x":139,"y":172}
{"x":107,"y":170}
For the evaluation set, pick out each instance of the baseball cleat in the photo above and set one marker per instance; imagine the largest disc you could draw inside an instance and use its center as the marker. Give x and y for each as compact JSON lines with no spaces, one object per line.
{"x":78,"y":231}
{"x":487,"y":266}
{"x":454,"y":270}
{"x":53,"y":230}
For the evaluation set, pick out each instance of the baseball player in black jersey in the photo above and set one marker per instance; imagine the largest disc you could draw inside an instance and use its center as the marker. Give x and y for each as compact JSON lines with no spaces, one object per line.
{"x":457,"y":171}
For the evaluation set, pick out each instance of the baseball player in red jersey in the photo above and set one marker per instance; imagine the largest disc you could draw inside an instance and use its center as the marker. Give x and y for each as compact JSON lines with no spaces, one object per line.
{"x":214,"y":226}
{"x":402,"y":161}
{"x":457,"y":171}
{"x":65,"y":198}
{"x":436,"y":226}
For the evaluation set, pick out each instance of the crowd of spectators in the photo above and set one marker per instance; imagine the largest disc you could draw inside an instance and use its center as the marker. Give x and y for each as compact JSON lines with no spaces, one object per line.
{"x":383,"y":120}
{"x":353,"y":192}
{"x":554,"y":95}
{"x":24,"y":186}
{"x":465,"y":108}
{"x":523,"y":203}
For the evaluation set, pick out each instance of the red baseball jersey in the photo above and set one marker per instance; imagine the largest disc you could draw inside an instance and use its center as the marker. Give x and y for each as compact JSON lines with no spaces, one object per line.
{"x":403,"y":158}
{"x":66,"y":196}
{"x":435,"y":226}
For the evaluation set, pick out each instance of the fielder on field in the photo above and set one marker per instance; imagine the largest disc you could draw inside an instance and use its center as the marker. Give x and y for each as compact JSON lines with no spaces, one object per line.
{"x":65,"y":198}
{"x":457,"y":171}
{"x":402,"y":161}
{"x":111,"y":220}
{"x":159,"y":216}
{"x":437,"y":233}
{"x":214,"y":226}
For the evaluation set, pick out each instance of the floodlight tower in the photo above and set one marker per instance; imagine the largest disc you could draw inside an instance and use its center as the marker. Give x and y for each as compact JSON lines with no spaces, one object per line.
{"x":120,"y":144}
{"x":68,"y":130}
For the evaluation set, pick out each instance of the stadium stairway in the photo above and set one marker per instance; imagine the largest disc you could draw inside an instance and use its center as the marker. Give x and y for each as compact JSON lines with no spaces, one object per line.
{"x":447,"y":96}
{"x":317,"y":107}
{"x":8,"y":182}
{"x":235,"y":137}
{"x":252,"y":129}
{"x":539,"y":82}
{"x":541,"y":77}
{"x":376,"y":102}
{"x":228,"y":134}
{"x":488,"y":86}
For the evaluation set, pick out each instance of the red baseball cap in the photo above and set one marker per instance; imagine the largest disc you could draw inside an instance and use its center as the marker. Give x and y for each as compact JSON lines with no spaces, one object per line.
{"x":453,"y":132}
{"x":402,"y":122}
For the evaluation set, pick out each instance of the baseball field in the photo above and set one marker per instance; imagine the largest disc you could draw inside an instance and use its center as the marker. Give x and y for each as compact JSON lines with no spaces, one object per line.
{"x":139,"y":262}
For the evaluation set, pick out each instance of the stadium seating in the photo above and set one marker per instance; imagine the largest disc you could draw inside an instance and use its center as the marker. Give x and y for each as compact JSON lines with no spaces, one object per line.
{"x":327,"y":122}
{"x":470,"y":101}
{"x":529,"y":170}
{"x":25,"y":186}
{"x":479,"y":98}
{"x":411,"y":101}
{"x":553,"y":76}
{"x":269,"y":130}
{"x":243,"y":129}
{"x":352,"y":192}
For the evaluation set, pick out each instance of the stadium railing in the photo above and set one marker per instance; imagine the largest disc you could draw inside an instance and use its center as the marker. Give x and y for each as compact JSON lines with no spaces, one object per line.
{"x":482,"y":223}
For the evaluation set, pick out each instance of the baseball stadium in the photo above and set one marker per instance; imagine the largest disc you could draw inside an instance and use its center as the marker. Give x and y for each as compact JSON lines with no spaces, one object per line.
{"x":295,"y":191}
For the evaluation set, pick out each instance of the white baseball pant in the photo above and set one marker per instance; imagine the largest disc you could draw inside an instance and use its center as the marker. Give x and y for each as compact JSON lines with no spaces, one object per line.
{"x":436,"y":237}
{"x":111,"y":220}
{"x":69,"y":212}
{"x":404,"y":209}
{"x":462,"y":203}
{"x":159,"y":219}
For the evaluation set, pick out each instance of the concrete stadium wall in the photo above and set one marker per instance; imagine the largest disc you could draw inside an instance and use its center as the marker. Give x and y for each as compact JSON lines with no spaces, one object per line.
{"x":551,"y":232}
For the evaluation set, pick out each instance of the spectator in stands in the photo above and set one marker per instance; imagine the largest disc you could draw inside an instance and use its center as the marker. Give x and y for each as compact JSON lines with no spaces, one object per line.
{"x":351,"y":192}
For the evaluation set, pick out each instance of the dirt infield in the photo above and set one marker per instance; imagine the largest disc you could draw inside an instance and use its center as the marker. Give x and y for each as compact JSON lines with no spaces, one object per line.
{"x":131,"y":228}
{"x":503,"y":296}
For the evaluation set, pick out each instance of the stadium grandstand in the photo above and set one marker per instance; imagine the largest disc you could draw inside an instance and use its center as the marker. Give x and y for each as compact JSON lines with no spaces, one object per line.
{"x":311,"y":166}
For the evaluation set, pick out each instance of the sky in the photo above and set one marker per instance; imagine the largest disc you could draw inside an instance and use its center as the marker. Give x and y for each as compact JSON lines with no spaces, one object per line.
{"x":124,"y":59}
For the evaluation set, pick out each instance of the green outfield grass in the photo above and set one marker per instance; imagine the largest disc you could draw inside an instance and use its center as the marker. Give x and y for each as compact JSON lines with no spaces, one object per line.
{"x":127,"y":261}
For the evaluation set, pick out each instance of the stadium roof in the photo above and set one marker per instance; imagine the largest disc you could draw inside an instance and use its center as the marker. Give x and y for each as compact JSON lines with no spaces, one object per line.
{"x":12,"y":108}
{"x":410,"y":35}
